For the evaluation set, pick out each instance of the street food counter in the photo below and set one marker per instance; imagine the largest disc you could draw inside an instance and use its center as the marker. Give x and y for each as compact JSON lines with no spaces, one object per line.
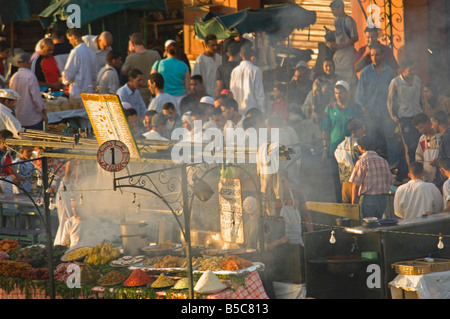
{"x":103,"y":271}
{"x":356,"y":262}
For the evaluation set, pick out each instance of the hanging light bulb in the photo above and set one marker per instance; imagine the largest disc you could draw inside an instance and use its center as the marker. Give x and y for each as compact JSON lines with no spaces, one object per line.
{"x":138,"y":209}
{"x":332,"y":238}
{"x":440,"y":244}
{"x":51,"y":205}
{"x":81,"y":199}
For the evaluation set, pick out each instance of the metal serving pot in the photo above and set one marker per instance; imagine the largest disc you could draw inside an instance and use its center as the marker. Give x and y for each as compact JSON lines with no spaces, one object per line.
{"x":133,"y":228}
{"x":132,"y":244}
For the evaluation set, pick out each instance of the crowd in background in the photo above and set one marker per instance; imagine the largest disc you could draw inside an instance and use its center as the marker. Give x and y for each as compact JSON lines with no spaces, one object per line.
{"x":350,"y":93}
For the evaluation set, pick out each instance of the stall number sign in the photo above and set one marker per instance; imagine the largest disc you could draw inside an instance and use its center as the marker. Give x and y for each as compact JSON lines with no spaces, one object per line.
{"x":113,"y":156}
{"x":108,"y":120}
{"x":230,"y":203}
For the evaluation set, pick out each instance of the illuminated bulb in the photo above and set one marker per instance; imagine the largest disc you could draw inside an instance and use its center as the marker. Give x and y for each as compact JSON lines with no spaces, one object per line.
{"x":440,"y":244}
{"x":51,"y":206}
{"x":332,"y":238}
{"x":138,"y":209}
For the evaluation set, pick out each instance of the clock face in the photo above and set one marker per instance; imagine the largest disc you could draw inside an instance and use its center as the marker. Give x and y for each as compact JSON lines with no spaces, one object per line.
{"x":113,"y":156}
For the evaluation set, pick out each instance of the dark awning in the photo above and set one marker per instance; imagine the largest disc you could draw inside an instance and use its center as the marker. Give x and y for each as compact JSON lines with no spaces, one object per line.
{"x":95,"y":9}
{"x":14,"y":10}
{"x":277,"y":21}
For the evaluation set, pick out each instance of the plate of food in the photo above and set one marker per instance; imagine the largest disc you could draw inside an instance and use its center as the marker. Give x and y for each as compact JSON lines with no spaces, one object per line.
{"x":163,"y":282}
{"x":388,"y":221}
{"x":76,"y":254}
{"x":127,"y":261}
{"x":161,"y":249}
{"x":137,"y":278}
{"x":112,"y":278}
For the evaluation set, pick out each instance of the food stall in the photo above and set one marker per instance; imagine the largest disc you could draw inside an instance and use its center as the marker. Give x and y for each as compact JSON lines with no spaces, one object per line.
{"x":104,"y":268}
{"x":359,"y":262}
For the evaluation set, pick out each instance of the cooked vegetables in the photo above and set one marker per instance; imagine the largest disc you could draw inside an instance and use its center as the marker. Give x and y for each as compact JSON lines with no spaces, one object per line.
{"x":162,"y":282}
{"x":137,"y":278}
{"x":113,"y":277}
{"x":77,"y":253}
{"x":7,"y":245}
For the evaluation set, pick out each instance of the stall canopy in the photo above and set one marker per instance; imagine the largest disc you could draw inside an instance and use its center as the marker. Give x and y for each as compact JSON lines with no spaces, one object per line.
{"x":277,"y":22}
{"x":91,"y":10}
{"x":14,"y":10}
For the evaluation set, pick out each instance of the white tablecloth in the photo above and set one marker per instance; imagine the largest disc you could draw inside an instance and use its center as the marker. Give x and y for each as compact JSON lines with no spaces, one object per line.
{"x":55,"y":117}
{"x":435,"y":285}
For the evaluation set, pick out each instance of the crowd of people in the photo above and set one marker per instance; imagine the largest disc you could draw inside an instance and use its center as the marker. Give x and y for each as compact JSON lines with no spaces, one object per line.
{"x":369,"y":116}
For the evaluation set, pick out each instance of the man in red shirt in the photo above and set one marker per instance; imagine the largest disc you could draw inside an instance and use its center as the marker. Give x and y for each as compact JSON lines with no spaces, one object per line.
{"x":46,"y":68}
{"x":371,"y":180}
{"x":362,"y":57}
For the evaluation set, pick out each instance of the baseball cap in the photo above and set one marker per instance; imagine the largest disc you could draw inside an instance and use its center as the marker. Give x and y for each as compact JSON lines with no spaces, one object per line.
{"x":9,"y":94}
{"x":22,"y":58}
{"x":159,"y":119}
{"x":207,"y":100}
{"x":344,"y":84}
{"x":169,"y":42}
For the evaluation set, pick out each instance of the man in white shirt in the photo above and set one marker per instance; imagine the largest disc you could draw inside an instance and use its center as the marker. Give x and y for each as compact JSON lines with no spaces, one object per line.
{"x":404,"y":102}
{"x":8,"y":121}
{"x":80,"y":72}
{"x":246,"y":83}
{"x":159,"y":127}
{"x":417,"y":198}
{"x":130,"y":93}
{"x":156,"y":86}
{"x":101,"y":45}
{"x":108,"y":78}
{"x":30,"y":109}
{"x":207,"y":64}
{"x":427,"y":151}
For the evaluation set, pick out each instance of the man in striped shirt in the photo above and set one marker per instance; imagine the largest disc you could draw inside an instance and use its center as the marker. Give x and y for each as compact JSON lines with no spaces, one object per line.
{"x":371,"y":180}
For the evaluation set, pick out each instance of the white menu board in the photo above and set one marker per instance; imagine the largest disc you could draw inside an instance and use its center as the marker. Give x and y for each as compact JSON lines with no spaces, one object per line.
{"x":230,"y":202}
{"x":108,"y":120}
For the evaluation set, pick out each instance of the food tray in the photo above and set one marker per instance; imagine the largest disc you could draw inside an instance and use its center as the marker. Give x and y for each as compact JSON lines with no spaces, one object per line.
{"x":160,"y":249}
{"x":412,"y":267}
{"x":81,"y":258}
{"x":256,"y":266}
{"x":150,"y":268}
{"x":437,"y":264}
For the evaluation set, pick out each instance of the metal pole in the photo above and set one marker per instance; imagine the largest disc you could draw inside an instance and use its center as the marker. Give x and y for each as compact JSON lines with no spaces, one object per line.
{"x":48,"y":227}
{"x":187,"y":229}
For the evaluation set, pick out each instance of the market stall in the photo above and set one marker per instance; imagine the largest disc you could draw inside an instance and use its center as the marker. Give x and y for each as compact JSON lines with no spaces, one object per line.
{"x":357,"y":262}
{"x":180,"y":190}
{"x":125,"y":277}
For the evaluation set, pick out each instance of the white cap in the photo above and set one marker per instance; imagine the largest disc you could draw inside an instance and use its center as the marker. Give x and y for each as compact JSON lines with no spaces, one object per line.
{"x":169,"y":42}
{"x":126,"y":105}
{"x":250,"y":205}
{"x":344,"y":84}
{"x":9,"y":94}
{"x":207,"y":100}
